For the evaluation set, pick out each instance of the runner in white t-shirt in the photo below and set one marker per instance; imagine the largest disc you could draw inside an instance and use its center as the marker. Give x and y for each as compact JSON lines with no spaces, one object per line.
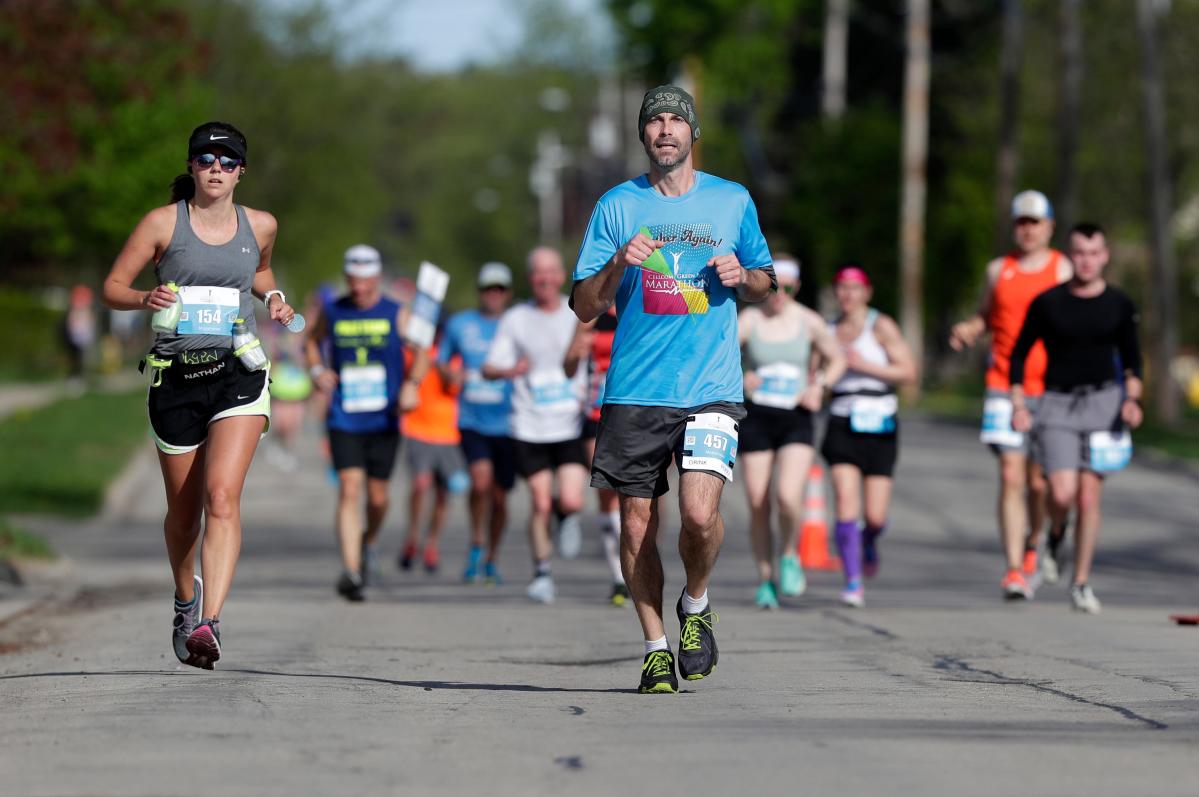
{"x":546,"y":421}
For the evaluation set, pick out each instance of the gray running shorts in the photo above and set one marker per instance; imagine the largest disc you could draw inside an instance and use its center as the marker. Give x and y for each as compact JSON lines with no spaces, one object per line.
{"x":442,"y":460}
{"x":1065,"y":422}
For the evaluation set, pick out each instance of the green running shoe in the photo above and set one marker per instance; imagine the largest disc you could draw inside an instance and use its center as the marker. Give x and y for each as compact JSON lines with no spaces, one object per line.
{"x":697,"y":645}
{"x":766,"y":597}
{"x":791,"y":578}
{"x":657,"y":674}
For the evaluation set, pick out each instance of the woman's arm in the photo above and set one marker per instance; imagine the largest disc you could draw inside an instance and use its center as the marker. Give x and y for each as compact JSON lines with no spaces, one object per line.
{"x":146,"y":243}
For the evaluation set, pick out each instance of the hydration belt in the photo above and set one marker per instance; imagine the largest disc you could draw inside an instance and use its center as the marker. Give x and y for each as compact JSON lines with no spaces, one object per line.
{"x":196,"y":366}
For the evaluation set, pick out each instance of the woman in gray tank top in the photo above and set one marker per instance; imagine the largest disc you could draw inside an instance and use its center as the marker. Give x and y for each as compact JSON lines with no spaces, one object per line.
{"x":781,"y":342}
{"x":207,"y":412}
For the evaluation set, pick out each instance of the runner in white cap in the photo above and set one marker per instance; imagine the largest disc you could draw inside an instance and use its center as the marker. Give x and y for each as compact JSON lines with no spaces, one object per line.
{"x":1013,"y":281}
{"x":369,"y":387}
{"x":483,"y":408}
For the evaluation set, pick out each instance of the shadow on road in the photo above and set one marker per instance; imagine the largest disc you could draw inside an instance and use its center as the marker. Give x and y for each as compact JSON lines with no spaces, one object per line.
{"x":428,"y":686}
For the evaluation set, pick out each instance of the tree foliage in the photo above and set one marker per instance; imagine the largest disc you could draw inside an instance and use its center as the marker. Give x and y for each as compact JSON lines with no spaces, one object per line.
{"x":98,"y":94}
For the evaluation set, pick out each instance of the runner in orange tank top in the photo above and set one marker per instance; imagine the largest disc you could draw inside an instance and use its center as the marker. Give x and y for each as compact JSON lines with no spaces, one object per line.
{"x":434,"y":463}
{"x":1013,"y":281}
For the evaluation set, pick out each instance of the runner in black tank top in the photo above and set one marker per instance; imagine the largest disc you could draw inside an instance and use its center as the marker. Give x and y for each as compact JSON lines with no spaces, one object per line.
{"x":207,"y":412}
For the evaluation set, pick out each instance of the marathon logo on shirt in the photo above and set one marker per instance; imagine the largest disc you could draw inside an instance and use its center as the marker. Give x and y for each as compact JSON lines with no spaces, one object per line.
{"x":675,"y":280}
{"x":354,"y":332}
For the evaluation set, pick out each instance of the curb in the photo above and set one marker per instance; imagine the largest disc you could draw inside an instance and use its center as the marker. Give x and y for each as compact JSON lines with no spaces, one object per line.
{"x":124,"y":491}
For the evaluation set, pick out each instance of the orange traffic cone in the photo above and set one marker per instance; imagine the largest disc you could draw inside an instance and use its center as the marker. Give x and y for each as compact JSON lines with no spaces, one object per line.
{"x":813,"y":534}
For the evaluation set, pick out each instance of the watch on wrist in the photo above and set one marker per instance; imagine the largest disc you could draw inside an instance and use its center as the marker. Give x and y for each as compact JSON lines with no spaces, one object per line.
{"x":316,"y":370}
{"x":266,"y":297}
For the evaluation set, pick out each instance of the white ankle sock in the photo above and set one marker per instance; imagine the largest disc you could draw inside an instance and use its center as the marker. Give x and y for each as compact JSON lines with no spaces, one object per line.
{"x":656,"y":644}
{"x":694,"y":605}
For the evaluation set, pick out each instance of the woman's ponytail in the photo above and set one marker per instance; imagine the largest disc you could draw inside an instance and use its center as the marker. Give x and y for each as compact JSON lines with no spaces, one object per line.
{"x":183,"y":187}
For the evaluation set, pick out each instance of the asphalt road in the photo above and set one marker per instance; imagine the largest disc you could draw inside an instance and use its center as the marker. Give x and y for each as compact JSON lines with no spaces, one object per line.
{"x":937,"y":686}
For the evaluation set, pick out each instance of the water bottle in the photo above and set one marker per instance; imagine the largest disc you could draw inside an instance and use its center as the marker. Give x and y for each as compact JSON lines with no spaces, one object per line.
{"x":297,"y":324}
{"x":167,"y":319}
{"x":248,"y":347}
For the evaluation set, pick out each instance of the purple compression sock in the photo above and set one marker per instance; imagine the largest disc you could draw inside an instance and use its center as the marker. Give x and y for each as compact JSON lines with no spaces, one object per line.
{"x":849,"y":543}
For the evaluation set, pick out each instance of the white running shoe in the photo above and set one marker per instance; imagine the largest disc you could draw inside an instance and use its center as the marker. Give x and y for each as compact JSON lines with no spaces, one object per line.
{"x":570,"y":536}
{"x":541,"y":590}
{"x":1049,"y":569}
{"x":854,"y":598}
{"x":1084,"y":600}
{"x":1053,"y":563}
{"x":186,"y":621}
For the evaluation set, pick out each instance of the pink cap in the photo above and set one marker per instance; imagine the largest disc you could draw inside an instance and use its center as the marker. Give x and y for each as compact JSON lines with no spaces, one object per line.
{"x":852,"y":274}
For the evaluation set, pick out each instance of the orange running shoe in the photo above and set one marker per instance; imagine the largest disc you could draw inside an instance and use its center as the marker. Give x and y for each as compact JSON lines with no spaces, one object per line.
{"x":1015,"y":587}
{"x":407,"y":554}
{"x":1030,"y":562}
{"x":432,"y":558}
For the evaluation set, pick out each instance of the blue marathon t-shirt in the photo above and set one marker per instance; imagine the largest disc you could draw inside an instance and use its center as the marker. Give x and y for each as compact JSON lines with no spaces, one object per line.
{"x":676,"y":338}
{"x":484,"y":404}
{"x":368,"y":354}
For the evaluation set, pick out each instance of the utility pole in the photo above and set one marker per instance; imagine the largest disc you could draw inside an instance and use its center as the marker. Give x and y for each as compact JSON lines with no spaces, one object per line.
{"x":914,"y":168}
{"x":836,"y":59}
{"x":1069,"y":88}
{"x":1007,"y":159}
{"x":545,"y":180}
{"x":1165,"y":268}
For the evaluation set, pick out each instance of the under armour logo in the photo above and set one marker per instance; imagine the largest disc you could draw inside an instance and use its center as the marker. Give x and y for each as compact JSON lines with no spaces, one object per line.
{"x":245,"y":250}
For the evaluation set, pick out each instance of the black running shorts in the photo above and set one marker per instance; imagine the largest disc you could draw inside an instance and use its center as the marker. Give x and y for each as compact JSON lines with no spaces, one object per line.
{"x":872,"y":454}
{"x":635,"y":445}
{"x":771,"y":428}
{"x":534,"y":457}
{"x":499,"y":450}
{"x":190,"y":397}
{"x":374,"y":452}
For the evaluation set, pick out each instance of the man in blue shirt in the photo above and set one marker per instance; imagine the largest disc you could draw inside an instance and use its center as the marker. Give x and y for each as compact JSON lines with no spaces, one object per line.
{"x":674,"y":249}
{"x":483,"y":406}
{"x":368,"y":388}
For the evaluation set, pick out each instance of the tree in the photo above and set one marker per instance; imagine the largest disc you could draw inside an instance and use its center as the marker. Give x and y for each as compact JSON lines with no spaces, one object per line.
{"x":1165,"y":272}
{"x":99,"y":98}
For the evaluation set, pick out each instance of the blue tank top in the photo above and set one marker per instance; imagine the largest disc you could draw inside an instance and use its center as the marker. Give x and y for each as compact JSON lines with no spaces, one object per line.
{"x":368,"y":355}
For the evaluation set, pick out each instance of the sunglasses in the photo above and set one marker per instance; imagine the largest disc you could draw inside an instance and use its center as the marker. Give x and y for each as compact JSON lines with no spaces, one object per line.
{"x":206,"y":160}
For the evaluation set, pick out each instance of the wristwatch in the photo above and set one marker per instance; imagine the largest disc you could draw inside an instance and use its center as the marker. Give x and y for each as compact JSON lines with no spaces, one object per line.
{"x":316,"y":370}
{"x":266,"y":297}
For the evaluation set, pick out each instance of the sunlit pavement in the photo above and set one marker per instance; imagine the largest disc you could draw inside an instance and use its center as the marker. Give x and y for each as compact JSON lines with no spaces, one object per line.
{"x":937,"y":686}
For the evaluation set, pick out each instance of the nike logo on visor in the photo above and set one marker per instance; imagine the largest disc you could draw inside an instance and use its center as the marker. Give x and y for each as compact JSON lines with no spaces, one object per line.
{"x":215,"y":138}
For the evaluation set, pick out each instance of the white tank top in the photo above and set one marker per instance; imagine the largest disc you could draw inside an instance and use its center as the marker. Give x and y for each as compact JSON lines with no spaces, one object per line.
{"x":855,"y":382}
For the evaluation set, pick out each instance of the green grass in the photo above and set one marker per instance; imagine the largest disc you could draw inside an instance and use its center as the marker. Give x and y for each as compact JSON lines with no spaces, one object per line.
{"x":16,"y":543}
{"x":1181,"y":441}
{"x":60,"y":458}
